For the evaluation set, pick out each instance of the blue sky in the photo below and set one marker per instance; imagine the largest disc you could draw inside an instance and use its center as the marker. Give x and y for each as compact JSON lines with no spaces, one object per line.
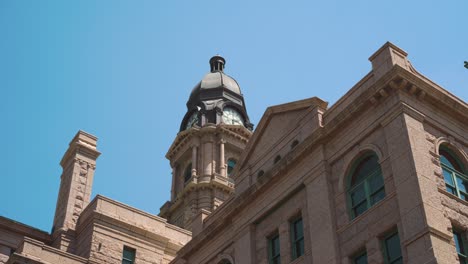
{"x":123,"y":71}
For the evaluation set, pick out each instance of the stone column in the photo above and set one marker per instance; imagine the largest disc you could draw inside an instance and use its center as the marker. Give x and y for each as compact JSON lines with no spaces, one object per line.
{"x":174,"y":188}
{"x":219,"y":115}
{"x":194,"y":160}
{"x":222,"y":165}
{"x":208,"y":157}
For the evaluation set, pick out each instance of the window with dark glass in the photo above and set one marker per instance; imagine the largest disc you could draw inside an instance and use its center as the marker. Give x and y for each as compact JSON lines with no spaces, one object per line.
{"x":231,"y":163}
{"x":297,"y":238}
{"x":294,"y":144}
{"x":461,"y":245}
{"x":360,"y":258}
{"x":366,"y":185}
{"x":277,"y":158}
{"x":128,"y":255}
{"x":392,"y":249}
{"x":456,"y":182}
{"x":274,"y":250}
{"x":188,"y":172}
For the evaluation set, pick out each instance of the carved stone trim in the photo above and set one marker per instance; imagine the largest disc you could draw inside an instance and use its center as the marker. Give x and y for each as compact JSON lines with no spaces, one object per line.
{"x":224,"y":256}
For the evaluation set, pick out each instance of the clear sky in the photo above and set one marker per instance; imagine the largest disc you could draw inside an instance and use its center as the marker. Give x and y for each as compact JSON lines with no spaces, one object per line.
{"x":123,"y":71}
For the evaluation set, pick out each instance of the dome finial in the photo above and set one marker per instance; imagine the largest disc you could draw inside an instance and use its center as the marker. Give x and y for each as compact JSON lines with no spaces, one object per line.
{"x":217,"y":63}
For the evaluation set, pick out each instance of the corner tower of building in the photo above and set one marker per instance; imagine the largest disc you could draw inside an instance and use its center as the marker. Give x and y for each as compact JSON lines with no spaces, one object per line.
{"x":213,"y":134}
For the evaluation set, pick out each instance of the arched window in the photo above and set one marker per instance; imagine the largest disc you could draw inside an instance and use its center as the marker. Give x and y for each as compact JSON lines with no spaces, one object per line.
{"x":188,"y":172}
{"x":456,"y":182}
{"x":230,"y":166}
{"x":294,"y":144}
{"x":365,"y":184}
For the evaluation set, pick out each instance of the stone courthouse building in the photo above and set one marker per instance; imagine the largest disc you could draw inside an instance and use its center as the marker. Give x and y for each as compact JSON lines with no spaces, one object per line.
{"x":381,"y":176}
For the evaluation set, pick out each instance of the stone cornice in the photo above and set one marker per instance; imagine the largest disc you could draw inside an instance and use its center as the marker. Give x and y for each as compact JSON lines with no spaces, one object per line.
{"x":83,"y":143}
{"x":184,"y":138}
{"x":396,"y":80}
{"x":217,"y":181}
{"x":18,"y":227}
{"x":436,"y":95}
{"x":79,"y":148}
{"x":163,"y":240}
{"x":237,"y":132}
{"x":28,"y":250}
{"x":181,"y":140}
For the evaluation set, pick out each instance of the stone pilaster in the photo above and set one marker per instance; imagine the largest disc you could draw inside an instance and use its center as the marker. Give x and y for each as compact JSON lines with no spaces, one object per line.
{"x":423,"y":225}
{"x":222,"y":165}
{"x":194,"y":161}
{"x":173,"y":186}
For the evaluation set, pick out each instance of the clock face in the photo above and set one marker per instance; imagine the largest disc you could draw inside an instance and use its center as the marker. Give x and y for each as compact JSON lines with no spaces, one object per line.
{"x":193,"y":119}
{"x":232,"y":117}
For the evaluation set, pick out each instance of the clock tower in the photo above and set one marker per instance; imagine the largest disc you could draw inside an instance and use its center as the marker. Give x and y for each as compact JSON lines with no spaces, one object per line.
{"x":213,"y":134}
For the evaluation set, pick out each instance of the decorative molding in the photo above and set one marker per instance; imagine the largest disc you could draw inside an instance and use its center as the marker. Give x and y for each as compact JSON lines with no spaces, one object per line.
{"x":454,"y":146}
{"x":183,"y":138}
{"x":224,"y":256}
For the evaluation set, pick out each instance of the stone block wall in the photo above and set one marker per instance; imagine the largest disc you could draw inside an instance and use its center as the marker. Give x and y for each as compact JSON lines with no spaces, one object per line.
{"x":277,"y":222}
{"x":106,"y":226}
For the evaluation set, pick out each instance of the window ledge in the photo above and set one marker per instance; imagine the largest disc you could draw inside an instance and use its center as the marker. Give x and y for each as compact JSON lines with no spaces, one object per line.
{"x":364,"y":214}
{"x":298,"y":260}
{"x":452,"y":196}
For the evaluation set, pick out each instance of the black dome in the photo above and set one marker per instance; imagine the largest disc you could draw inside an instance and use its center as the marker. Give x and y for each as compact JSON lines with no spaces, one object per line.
{"x":211,"y":95}
{"x":217,"y":79}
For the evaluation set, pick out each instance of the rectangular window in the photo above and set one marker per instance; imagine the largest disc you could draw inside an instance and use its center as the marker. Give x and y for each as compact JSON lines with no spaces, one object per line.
{"x":361,"y":258}
{"x":455,"y":183}
{"x":128,"y":255}
{"x":462,"y":185}
{"x":297,"y":238}
{"x":461,"y":245}
{"x":449,"y":184}
{"x":392,"y":249}
{"x":274,"y":250}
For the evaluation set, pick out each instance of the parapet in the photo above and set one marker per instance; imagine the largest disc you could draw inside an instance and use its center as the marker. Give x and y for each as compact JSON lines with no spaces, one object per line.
{"x":386,"y":57}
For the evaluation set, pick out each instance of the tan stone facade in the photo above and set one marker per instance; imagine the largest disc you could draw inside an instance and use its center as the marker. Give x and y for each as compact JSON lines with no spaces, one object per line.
{"x":299,"y":161}
{"x":379,"y":177}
